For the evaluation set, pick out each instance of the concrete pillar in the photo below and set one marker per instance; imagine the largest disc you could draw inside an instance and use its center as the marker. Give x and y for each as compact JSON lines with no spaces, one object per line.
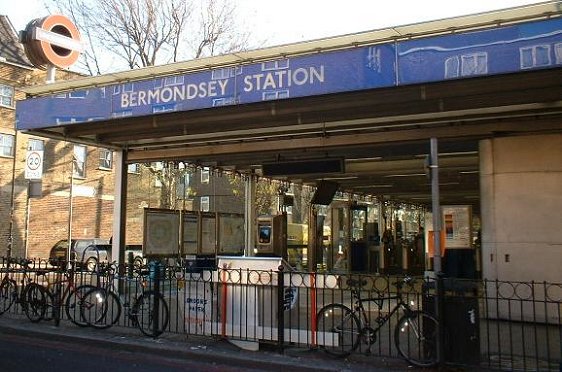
{"x":521,"y":207}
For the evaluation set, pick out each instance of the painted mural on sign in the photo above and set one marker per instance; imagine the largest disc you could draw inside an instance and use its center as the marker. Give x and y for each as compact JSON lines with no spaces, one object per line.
{"x":526,"y":46}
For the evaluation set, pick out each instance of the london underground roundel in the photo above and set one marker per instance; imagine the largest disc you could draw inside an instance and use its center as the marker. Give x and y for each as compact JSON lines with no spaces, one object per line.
{"x":52,"y":40}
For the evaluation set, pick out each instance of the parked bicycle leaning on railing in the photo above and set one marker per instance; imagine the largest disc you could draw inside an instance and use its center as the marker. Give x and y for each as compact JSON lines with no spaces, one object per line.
{"x":17,"y":286}
{"x":102,"y":306}
{"x":341,"y":329}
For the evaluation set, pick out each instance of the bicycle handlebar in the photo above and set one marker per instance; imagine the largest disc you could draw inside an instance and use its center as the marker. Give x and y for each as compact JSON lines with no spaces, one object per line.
{"x":24,"y":262}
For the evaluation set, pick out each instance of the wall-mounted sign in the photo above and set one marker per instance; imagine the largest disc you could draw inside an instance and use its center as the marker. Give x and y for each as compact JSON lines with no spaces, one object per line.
{"x":52,"y":40}
{"x":500,"y":50}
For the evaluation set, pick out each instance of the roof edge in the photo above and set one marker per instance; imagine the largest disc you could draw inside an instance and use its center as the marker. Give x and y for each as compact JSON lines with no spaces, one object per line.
{"x":507,"y":16}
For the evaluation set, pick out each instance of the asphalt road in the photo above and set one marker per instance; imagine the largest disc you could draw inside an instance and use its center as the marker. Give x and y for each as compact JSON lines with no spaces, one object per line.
{"x":25,"y":353}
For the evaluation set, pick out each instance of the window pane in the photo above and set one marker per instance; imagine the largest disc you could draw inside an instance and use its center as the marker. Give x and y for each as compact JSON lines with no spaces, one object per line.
{"x":6,"y":145}
{"x":6,"y":95}
{"x":80,"y":161}
{"x":35,"y":145}
{"x":205,"y":174}
{"x":133,"y":168}
{"x":106,"y":158}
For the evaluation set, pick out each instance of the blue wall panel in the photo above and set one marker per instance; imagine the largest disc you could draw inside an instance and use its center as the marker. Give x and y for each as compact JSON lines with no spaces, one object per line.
{"x":526,"y":46}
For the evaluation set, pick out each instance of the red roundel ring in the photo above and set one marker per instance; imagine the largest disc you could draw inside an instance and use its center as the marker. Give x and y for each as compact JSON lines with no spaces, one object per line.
{"x":43,"y":52}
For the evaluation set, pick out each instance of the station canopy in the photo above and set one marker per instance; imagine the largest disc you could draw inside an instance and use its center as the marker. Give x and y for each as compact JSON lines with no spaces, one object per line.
{"x":357,"y":109}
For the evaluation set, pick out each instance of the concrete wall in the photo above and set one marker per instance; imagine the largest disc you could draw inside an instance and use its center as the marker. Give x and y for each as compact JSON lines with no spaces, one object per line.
{"x":521,"y":199}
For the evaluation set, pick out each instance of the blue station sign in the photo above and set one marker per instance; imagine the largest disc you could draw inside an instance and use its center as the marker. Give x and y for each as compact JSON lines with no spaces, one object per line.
{"x":501,"y":50}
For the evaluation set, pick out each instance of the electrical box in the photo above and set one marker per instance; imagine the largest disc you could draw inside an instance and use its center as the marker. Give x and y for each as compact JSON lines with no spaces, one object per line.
{"x":272,"y":236}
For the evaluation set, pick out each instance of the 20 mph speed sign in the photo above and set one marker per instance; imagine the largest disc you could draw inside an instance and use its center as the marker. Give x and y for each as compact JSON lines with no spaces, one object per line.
{"x":34,"y":165}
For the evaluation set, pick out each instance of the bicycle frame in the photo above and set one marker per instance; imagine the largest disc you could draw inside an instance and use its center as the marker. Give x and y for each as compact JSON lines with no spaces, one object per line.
{"x":360,"y":311}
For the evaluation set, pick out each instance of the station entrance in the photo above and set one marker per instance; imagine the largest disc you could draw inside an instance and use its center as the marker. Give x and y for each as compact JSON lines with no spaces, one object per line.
{"x":351,"y":117}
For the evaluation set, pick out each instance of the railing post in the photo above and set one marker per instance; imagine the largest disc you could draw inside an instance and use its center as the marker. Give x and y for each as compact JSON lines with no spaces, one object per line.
{"x":158,"y":271}
{"x":439,"y":302}
{"x":280,"y":308}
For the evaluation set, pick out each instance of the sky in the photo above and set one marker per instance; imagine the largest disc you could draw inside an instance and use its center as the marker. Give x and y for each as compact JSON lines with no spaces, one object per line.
{"x":299,"y":20}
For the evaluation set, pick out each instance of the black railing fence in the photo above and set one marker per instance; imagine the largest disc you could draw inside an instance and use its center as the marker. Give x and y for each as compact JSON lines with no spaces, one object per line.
{"x":488,"y":323}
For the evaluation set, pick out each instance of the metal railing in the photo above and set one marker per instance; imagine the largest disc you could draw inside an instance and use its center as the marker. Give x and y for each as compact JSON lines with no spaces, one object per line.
{"x":488,"y":323}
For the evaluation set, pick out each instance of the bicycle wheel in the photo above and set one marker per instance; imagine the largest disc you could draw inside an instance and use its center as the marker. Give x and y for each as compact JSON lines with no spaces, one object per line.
{"x":415,"y":336}
{"x":100,"y":308}
{"x":8,"y":294}
{"x":50,"y":308}
{"x":338,"y":329}
{"x":73,"y":302}
{"x":150,"y":313}
{"x":34,"y":302}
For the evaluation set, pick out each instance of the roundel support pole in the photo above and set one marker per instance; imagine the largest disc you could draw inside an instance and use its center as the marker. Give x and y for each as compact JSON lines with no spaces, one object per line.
{"x":51,"y":74}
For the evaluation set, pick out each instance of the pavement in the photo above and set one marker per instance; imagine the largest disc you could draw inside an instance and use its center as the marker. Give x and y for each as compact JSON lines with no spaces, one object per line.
{"x":202,"y":348}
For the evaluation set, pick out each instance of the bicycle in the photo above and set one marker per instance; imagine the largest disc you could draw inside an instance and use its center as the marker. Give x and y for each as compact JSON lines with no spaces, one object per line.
{"x":72,"y":296}
{"x":343,"y":328}
{"x":149,"y":311}
{"x":32,"y":296}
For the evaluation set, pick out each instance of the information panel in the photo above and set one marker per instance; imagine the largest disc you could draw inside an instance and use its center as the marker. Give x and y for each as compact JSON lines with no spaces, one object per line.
{"x":161,"y":232}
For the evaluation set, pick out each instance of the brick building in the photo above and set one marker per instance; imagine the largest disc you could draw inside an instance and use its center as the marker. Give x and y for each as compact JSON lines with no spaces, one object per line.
{"x":37,"y":220}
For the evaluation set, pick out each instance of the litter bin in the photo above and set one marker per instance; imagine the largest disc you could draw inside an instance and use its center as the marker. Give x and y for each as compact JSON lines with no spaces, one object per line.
{"x":460,"y":319}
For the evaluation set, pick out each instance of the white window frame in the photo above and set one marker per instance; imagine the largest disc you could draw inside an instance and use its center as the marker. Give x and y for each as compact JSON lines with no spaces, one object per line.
{"x":106,"y":159}
{"x":205,"y":175}
{"x":7,"y":145}
{"x":34,"y":144}
{"x":7,"y":93}
{"x":133,"y":168}
{"x":204,"y":204}
{"x":80,"y":153}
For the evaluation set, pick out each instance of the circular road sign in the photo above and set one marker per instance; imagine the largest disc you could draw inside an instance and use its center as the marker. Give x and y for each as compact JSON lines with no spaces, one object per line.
{"x":34,"y":165}
{"x":52,"y":40}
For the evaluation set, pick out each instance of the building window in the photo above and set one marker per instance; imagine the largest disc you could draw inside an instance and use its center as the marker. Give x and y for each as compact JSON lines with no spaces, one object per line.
{"x":133,"y":168}
{"x":106,"y":159}
{"x":6,"y":144}
{"x":535,"y":56}
{"x":204,"y":207}
{"x":205,"y":175}
{"x":35,"y":145}
{"x":6,"y":95}
{"x":79,"y":161}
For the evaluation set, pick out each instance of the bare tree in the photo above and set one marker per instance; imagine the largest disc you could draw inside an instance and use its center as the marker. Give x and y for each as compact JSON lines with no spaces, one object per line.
{"x":144,"y":33}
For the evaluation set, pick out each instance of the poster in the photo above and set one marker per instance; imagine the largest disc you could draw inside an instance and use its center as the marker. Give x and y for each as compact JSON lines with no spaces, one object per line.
{"x":161,"y":232}
{"x":457,"y":226}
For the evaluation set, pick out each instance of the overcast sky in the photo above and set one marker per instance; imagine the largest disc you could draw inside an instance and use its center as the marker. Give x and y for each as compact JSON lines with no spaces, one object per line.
{"x":287,"y":21}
